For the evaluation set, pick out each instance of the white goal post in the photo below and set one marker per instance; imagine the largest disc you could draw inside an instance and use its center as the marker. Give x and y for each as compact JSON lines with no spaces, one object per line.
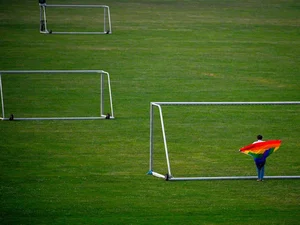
{"x":44,"y":26}
{"x":104,"y":78}
{"x":168,"y":174}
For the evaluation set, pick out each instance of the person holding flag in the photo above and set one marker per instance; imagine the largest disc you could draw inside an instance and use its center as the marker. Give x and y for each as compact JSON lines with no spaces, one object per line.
{"x":260,"y":150}
{"x":260,"y":162}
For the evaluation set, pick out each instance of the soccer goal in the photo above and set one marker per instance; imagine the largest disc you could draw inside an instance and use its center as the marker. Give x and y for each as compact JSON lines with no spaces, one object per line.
{"x":63,"y":15}
{"x":204,"y":137}
{"x":56,"y":95}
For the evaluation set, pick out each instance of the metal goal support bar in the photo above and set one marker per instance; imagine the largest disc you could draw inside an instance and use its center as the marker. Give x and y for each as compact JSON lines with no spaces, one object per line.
{"x":102,"y":74}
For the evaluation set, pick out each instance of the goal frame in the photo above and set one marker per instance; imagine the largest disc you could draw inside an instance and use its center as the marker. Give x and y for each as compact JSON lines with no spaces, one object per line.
{"x":169,"y":176}
{"x":102,"y":74}
{"x":44,"y":26}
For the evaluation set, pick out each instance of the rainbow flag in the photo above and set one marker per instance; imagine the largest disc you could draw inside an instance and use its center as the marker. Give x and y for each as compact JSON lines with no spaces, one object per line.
{"x":261,"y":149}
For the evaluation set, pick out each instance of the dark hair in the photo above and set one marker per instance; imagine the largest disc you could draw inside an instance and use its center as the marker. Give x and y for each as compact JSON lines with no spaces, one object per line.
{"x":259,"y":137}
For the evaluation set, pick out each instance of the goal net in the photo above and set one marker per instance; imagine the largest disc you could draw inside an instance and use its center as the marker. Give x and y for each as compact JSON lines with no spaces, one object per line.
{"x":201,"y":140}
{"x":56,"y":95}
{"x":74,"y":19}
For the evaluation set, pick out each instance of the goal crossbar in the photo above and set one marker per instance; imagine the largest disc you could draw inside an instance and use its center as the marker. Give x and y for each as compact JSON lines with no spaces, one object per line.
{"x":102,"y":74}
{"x":168,"y":175}
{"x":107,"y":29}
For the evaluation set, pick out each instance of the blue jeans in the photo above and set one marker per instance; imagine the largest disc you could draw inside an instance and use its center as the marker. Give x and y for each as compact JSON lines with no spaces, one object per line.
{"x":260,"y":172}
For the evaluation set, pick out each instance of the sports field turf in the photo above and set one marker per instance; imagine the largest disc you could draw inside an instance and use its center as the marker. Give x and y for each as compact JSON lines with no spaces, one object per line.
{"x":94,"y":172}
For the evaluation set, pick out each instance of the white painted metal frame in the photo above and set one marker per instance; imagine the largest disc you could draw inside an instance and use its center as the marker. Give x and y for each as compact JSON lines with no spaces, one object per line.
{"x":169,"y":175}
{"x":44,"y":27}
{"x":102,"y":74}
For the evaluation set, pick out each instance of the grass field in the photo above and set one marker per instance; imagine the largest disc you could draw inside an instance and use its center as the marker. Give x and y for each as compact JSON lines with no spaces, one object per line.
{"x":94,"y":172}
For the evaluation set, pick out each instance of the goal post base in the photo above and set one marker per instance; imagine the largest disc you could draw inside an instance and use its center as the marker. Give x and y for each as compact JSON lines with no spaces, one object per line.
{"x":53,"y":32}
{"x":170,"y":178}
{"x":60,"y":118}
{"x":230,"y":178}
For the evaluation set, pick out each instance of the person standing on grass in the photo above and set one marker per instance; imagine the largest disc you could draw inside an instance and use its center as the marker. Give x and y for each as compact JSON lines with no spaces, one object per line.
{"x":260,"y":150}
{"x":260,"y":162}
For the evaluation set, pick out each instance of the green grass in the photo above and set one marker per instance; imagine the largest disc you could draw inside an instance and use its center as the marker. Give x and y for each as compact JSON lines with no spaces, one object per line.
{"x":94,"y":172}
